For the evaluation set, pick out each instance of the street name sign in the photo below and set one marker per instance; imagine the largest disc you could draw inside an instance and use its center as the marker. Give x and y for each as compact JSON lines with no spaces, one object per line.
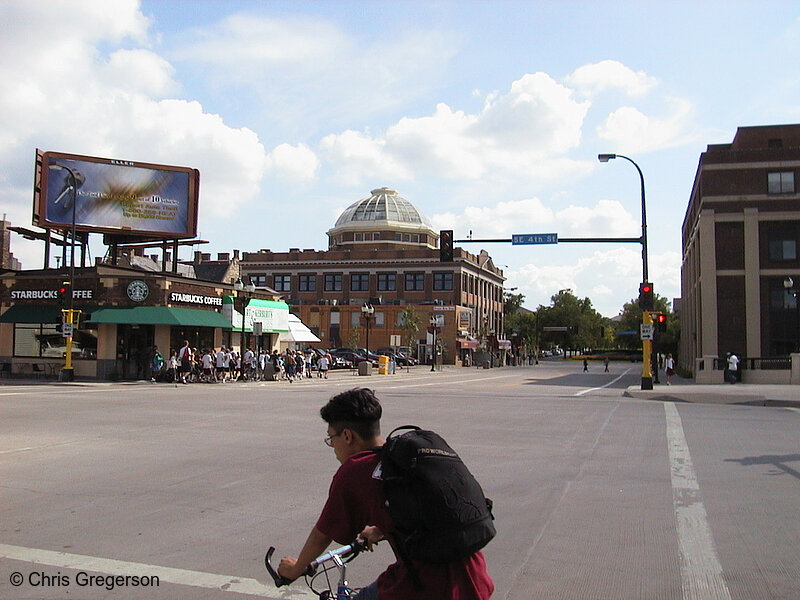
{"x":519,"y":239}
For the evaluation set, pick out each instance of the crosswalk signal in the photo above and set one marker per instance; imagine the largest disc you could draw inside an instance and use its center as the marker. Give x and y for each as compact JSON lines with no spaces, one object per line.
{"x":646,"y":300}
{"x":446,"y":245}
{"x":64,"y":292}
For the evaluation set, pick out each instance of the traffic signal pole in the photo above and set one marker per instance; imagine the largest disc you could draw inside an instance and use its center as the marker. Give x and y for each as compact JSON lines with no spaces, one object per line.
{"x":647,"y":354}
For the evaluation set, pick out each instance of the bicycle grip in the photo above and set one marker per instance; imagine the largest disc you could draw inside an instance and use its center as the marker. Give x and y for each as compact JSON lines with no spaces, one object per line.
{"x":279,"y":579}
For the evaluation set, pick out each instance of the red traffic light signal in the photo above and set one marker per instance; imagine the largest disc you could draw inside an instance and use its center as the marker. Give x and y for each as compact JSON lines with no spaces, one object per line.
{"x":64,"y":292}
{"x":646,"y":298}
{"x":660,"y":321}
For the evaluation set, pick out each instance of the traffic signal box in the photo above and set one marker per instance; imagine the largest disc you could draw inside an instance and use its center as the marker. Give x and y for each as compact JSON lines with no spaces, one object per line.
{"x":446,"y":245}
{"x":64,"y":292}
{"x":646,"y":299}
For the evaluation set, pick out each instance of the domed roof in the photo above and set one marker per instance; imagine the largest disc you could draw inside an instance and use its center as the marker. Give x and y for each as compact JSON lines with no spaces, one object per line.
{"x":383,"y":205}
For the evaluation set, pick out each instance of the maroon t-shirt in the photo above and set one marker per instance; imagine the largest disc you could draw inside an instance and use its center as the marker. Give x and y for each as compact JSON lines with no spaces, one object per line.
{"x":356,"y":500}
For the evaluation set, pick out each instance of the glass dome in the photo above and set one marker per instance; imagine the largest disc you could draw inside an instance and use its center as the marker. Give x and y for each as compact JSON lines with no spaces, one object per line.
{"x":383,"y":205}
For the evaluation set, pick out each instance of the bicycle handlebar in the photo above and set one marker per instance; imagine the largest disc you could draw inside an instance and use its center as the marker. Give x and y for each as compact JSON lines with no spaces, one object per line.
{"x":349,"y":552}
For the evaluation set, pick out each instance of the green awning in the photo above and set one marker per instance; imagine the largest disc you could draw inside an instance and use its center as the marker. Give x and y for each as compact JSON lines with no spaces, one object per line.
{"x":160,"y":315}
{"x":37,"y":313}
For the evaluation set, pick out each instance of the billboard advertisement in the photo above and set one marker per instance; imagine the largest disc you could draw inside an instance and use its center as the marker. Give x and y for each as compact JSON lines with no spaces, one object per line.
{"x":115,"y":196}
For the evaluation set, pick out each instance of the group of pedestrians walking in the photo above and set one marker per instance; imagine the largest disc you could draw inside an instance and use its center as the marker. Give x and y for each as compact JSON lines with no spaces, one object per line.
{"x":209,"y":365}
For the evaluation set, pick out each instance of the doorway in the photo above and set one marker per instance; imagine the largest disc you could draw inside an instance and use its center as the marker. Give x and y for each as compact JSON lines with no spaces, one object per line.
{"x":134,"y":344}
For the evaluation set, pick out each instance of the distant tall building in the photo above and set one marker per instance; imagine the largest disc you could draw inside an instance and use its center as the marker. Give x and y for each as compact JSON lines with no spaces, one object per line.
{"x":740,"y":242}
{"x":7,"y":260}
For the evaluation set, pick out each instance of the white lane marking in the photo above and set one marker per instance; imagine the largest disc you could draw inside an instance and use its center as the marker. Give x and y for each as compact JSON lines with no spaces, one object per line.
{"x":701,"y":571}
{"x":797,"y":410}
{"x":226,"y":583}
{"x":604,"y":386}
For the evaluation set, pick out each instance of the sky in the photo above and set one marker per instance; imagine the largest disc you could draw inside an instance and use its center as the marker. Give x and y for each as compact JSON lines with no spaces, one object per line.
{"x":487,"y":116}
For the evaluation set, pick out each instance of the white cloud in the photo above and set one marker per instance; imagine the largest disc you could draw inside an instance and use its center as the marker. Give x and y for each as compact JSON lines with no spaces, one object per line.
{"x":607,"y":218}
{"x":139,"y":71}
{"x":610,"y":74}
{"x":527,"y":130}
{"x":294,"y":163}
{"x":498,"y":220}
{"x":630,"y":130}
{"x":64,"y":94}
{"x":357,"y":157}
{"x":608,"y":277}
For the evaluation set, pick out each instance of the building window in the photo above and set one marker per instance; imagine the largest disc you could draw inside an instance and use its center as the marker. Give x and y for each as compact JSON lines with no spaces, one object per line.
{"x":398,"y":237}
{"x":780,"y":182}
{"x":355,"y":318}
{"x":387,"y":282}
{"x":379,"y":319}
{"x":442,"y":281}
{"x":358,"y":237}
{"x":283,"y":283}
{"x":782,"y":249}
{"x":44,"y":341}
{"x":359,"y":282}
{"x":333,"y":282}
{"x":415,"y":282}
{"x":308,"y":283}
{"x":258,"y":279}
{"x":376,"y":236}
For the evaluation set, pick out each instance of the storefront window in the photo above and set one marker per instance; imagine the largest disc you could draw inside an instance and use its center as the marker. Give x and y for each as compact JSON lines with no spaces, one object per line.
{"x":45,"y":341}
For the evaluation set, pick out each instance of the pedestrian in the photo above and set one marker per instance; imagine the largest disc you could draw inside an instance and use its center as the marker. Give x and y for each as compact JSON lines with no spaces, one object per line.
{"x":220,"y":360}
{"x":669,"y":368}
{"x":207,"y":361}
{"x":156,"y":364}
{"x":356,"y":506}
{"x":322,"y":366}
{"x":185,"y":359}
{"x":733,"y":367}
{"x":605,"y":364}
{"x":585,"y":365}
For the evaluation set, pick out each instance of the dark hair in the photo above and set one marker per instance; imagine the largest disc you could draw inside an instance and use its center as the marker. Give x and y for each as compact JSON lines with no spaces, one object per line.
{"x":357,"y":409}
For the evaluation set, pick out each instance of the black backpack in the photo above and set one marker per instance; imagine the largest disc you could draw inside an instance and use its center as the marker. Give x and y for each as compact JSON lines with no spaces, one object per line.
{"x":438,"y":508}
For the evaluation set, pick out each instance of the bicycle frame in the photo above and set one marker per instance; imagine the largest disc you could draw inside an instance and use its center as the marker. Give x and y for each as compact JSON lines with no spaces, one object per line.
{"x":339,"y":557}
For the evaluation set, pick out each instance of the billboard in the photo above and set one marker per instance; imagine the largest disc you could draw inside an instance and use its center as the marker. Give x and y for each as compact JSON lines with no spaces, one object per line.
{"x":115,"y":196}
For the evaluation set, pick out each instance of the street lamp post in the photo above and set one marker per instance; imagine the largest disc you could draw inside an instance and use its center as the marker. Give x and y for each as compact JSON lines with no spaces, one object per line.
{"x":367,"y":311}
{"x":241,"y":288}
{"x":68,"y":315}
{"x":647,"y":345}
{"x":793,"y":288}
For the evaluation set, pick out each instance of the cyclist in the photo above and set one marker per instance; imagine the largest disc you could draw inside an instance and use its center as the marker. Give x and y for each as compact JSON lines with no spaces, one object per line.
{"x":356,"y":506}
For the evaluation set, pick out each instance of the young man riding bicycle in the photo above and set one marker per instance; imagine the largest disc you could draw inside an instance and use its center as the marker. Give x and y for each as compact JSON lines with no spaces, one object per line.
{"x":356,"y":506}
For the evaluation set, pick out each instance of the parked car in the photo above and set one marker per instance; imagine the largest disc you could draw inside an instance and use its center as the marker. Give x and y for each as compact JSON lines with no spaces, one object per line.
{"x":399,"y":359}
{"x":351,"y":356}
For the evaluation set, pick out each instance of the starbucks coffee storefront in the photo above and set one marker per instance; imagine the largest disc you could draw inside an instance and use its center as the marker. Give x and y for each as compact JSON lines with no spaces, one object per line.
{"x":124,"y":314}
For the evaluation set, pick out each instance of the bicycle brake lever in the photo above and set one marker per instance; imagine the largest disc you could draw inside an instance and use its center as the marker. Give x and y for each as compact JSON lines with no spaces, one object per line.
{"x":278,"y":579}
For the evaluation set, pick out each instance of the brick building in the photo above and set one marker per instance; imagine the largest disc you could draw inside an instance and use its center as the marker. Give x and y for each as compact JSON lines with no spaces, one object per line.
{"x":382,"y":251}
{"x":740,"y":244}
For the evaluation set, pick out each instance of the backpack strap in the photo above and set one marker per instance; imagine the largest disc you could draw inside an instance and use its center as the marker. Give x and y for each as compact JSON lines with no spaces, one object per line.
{"x":403,"y":427}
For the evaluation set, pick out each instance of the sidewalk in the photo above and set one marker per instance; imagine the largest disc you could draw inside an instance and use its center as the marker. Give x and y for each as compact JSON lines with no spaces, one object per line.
{"x":686,"y":390}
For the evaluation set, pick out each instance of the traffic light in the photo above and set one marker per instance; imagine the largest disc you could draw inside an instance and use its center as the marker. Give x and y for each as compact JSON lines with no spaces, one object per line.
{"x":64,"y":292}
{"x":646,"y":300}
{"x":446,"y":245}
{"x":660,"y":322}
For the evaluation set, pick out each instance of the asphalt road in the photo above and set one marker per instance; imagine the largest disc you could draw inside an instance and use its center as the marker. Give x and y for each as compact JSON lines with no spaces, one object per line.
{"x":596,"y":495}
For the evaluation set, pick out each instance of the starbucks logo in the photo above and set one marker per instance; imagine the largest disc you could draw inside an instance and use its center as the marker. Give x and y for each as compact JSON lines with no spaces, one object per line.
{"x":138,"y":290}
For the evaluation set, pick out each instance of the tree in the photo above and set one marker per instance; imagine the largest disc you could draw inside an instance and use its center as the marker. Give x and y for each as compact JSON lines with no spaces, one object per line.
{"x":631,"y":319}
{"x":584,"y":324}
{"x":410,"y":321}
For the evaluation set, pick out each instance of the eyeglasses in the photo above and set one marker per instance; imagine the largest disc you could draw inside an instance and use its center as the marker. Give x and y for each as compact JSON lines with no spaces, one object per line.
{"x":329,"y":440}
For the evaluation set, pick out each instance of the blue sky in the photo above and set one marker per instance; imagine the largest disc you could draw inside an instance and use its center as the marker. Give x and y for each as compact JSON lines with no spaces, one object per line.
{"x":488,"y":116}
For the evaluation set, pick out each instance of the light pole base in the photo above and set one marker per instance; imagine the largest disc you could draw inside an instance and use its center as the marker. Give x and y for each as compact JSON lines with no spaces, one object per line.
{"x":647,"y":383}
{"x":67,"y":375}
